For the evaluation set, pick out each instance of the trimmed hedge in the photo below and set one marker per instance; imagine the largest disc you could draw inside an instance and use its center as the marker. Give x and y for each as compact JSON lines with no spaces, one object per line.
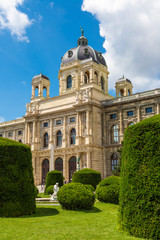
{"x":108,"y":190}
{"x":49,"y":190}
{"x":74,"y":196}
{"x":87,"y":176}
{"x":17,"y":190}
{"x":140,"y":179}
{"x":54,"y":177}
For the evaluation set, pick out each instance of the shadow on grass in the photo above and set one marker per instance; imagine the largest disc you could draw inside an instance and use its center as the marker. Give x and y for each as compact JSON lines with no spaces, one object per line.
{"x":93,"y":210}
{"x":43,"y":212}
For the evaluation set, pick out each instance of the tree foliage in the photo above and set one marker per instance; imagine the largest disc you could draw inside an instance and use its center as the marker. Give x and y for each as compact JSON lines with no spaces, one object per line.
{"x":17,"y":190}
{"x":140,"y":179}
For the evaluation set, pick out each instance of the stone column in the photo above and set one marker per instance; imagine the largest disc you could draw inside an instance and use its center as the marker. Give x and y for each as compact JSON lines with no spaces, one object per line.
{"x":77,"y":129}
{"x":51,"y":132}
{"x":38,"y":134}
{"x":80,"y":124}
{"x":138,"y":114}
{"x":33,"y":92}
{"x":82,"y":78}
{"x":91,"y":76}
{"x":26,"y":133}
{"x":40,"y":93}
{"x":52,"y":158}
{"x":106,"y":84}
{"x":65,"y":168}
{"x":77,"y":81}
{"x":87,"y":138}
{"x":87,"y":121}
{"x":89,"y":161}
{"x":104,"y":163}
{"x":14,"y":135}
{"x":104,"y":129}
{"x":64,"y":132}
{"x":34,"y":136}
{"x":158,"y":108}
{"x":121,"y":126}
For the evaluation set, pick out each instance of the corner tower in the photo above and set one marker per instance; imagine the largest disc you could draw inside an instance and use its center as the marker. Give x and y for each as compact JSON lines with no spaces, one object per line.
{"x":81,"y":68}
{"x":123,"y":87}
{"x":40,"y":87}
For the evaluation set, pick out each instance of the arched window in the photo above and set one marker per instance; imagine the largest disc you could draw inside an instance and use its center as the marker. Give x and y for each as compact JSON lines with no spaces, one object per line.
{"x":45,"y":169}
{"x":86,"y":77}
{"x":121,"y":93}
{"x":102,"y":83}
{"x":96,"y":77}
{"x":73,"y":136}
{"x":59,"y":138}
{"x":59,"y":164}
{"x":114,"y":134}
{"x":36,"y":92}
{"x":69,"y":81}
{"x":20,"y":141}
{"x":44,"y":92}
{"x":114,"y":162}
{"x":130,"y":124}
{"x":45,"y":140}
{"x":129,"y":93}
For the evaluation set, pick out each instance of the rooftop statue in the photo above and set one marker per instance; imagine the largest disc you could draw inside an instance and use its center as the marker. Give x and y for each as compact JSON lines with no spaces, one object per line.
{"x":82,"y":31}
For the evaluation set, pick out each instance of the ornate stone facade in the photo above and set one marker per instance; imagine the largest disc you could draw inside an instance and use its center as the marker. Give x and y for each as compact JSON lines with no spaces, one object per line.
{"x":84,"y":122}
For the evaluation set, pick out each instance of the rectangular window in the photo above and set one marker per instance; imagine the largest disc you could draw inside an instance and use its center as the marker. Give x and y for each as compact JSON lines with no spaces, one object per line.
{"x":10,"y":134}
{"x":130,"y":113}
{"x":45,"y":124}
{"x":72,"y":119}
{"x":149,"y":110}
{"x":20,"y":132}
{"x":113,"y":116}
{"x":58,"y":122}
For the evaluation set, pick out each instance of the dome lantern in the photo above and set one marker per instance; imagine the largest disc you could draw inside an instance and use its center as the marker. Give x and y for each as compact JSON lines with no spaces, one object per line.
{"x":82,"y":41}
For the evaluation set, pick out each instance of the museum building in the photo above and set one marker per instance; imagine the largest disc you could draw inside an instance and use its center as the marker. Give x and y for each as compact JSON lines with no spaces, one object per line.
{"x":84,"y":125}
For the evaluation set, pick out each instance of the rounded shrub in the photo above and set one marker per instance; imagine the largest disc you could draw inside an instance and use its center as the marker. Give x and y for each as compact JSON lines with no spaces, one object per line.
{"x":17,"y":190}
{"x":139,"y":210}
{"x":109,"y":180}
{"x":89,"y":187}
{"x":108,"y":190}
{"x":87,"y":176}
{"x":49,"y":190}
{"x":74,"y":196}
{"x":36,"y":191}
{"x":54,"y":177}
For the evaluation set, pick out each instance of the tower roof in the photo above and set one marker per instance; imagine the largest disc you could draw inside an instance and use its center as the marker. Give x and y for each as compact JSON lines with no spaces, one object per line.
{"x":123,"y":79}
{"x":40,"y":75}
{"x":83,"y":52}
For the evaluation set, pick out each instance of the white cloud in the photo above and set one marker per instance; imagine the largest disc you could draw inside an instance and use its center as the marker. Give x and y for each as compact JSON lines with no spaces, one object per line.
{"x":13,"y":19}
{"x":132,"y":37}
{"x":1,"y":119}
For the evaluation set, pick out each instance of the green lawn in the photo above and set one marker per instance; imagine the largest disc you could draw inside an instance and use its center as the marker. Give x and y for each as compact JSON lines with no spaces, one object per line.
{"x":42,"y":195}
{"x":53,"y":223}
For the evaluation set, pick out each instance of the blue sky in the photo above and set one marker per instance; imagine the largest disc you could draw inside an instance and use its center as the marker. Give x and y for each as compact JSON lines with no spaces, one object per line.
{"x":55,"y":28}
{"x":35,"y":34}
